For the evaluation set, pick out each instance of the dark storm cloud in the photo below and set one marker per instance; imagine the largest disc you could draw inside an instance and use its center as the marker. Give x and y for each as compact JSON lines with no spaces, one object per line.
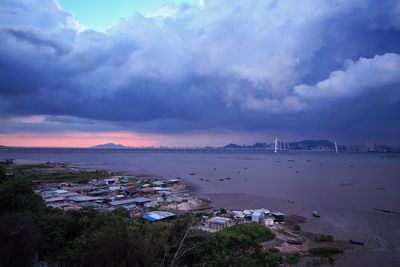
{"x":312,"y":68}
{"x":36,"y":39}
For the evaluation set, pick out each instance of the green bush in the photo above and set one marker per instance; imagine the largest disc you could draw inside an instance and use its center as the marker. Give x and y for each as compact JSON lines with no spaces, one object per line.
{"x":16,"y":195}
{"x":273,"y":250}
{"x":293,"y":259}
{"x":19,"y":241}
{"x":2,"y":172}
{"x":246,"y":234}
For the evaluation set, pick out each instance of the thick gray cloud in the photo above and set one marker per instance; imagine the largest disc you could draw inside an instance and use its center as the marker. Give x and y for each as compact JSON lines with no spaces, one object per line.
{"x":235,"y":65}
{"x":356,"y":79}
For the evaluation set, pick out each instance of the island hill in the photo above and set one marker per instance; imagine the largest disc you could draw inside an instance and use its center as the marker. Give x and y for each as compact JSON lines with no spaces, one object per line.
{"x":111,"y":146}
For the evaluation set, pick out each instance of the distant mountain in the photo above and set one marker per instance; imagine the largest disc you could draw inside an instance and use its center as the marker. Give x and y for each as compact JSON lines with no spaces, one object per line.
{"x":231,"y":145}
{"x":302,"y":145}
{"x":111,"y":146}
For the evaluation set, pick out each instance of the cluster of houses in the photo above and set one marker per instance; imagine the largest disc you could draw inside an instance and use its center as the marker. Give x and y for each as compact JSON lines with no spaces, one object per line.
{"x":135,"y":195}
{"x":229,"y":218}
{"x":139,"y":196}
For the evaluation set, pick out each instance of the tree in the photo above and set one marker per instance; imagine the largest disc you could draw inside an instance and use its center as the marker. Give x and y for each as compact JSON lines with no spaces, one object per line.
{"x":19,"y":241}
{"x":16,"y":195}
{"x":3,"y":172}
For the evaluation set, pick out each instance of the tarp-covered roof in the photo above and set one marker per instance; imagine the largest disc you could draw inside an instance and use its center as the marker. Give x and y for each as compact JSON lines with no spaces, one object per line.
{"x":157,"y":215}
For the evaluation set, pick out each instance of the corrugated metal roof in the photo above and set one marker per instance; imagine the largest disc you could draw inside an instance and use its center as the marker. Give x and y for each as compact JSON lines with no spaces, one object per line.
{"x":157,"y":215}
{"x":219,"y":220}
{"x":84,"y":198}
{"x":61,"y":191}
{"x":54,"y":199}
{"x":163,"y":192}
{"x":97,"y":192}
{"x":141,"y":199}
{"x":130,"y":200}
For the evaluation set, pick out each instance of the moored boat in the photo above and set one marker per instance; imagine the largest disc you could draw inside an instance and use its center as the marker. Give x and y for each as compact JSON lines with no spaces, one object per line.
{"x":356,"y":242}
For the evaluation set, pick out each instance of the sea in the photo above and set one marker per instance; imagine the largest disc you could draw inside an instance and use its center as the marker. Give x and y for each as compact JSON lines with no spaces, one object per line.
{"x":345,"y":188}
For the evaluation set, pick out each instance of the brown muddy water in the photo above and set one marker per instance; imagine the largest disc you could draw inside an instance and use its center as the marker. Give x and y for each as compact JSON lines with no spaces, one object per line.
{"x":345,"y":189}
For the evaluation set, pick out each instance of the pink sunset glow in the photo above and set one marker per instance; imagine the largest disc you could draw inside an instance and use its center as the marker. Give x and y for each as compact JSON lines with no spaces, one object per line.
{"x":77,"y":139}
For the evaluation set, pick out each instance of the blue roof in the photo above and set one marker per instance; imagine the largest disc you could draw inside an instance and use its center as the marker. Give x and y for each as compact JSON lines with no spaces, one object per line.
{"x":157,"y":215}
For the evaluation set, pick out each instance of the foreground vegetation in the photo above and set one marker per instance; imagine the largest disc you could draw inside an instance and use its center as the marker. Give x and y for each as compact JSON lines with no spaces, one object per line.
{"x":31,"y":232}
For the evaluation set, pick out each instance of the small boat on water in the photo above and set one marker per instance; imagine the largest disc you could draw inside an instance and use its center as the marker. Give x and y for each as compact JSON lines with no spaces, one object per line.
{"x":315,"y":214}
{"x":356,"y":242}
{"x":294,"y":241}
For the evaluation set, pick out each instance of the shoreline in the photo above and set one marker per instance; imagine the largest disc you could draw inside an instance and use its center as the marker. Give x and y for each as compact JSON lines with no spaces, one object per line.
{"x":289,"y":238}
{"x":343,"y":221}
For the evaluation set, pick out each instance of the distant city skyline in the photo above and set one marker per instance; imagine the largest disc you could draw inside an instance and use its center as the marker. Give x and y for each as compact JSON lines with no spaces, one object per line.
{"x":198,"y":73}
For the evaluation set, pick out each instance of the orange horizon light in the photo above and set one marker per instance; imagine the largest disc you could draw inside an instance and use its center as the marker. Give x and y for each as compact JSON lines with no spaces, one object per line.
{"x":77,"y":139}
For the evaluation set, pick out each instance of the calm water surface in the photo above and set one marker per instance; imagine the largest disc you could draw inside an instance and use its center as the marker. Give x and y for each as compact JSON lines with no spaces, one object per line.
{"x":344,"y":189}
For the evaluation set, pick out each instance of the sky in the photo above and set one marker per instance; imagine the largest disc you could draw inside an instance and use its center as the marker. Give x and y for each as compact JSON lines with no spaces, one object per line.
{"x":195,"y":73}
{"x":102,"y":14}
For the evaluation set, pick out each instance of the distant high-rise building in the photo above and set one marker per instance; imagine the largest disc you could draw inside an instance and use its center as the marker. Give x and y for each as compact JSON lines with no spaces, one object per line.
{"x":371,"y":147}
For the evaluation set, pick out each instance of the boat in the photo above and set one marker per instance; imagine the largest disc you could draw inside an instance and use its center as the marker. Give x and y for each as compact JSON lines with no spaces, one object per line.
{"x":356,"y":242}
{"x":294,"y":241}
{"x":315,"y":214}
